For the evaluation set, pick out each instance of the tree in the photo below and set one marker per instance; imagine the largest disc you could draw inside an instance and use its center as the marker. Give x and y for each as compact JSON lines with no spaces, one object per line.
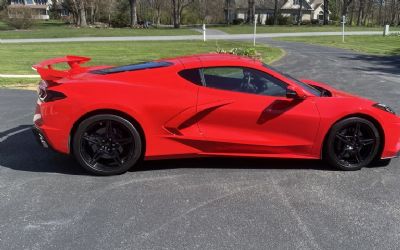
{"x":251,"y":11}
{"x":177,"y":8}
{"x":133,"y":11}
{"x":276,"y":12}
{"x":345,"y":7}
{"x":82,"y":13}
{"x":157,"y":6}
{"x":299,"y":14}
{"x":326,"y":12}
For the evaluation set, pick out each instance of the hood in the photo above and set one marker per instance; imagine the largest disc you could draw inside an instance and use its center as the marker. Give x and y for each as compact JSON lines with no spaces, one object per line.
{"x":334,"y":92}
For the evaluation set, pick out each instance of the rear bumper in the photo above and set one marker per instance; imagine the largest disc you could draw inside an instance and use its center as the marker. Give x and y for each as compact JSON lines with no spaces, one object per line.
{"x":51,"y":126}
{"x":40,"y":137}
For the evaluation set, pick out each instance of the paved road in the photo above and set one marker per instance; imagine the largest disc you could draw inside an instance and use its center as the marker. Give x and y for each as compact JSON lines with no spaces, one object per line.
{"x":214,"y":36}
{"x":48,"y":202}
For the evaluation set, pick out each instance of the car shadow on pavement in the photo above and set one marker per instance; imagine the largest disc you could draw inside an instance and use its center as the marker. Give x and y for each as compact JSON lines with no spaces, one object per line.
{"x":383,"y":64}
{"x":21,"y":152}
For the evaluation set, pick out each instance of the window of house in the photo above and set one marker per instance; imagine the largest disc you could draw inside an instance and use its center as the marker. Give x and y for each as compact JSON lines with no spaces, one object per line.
{"x":296,"y":2}
{"x":243,"y":80}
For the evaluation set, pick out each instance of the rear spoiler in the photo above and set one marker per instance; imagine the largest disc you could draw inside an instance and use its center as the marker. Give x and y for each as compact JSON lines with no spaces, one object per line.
{"x":47,"y":72}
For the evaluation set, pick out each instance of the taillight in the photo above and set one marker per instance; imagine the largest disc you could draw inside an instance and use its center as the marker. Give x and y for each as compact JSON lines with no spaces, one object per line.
{"x":47,"y":95}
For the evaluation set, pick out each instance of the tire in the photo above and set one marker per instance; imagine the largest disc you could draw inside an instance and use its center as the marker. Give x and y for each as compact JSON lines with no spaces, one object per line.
{"x":107,"y":144}
{"x":352,"y":144}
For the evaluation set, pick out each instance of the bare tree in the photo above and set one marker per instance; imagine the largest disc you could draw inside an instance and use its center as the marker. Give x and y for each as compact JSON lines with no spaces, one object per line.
{"x":82,"y":14}
{"x":157,"y":6}
{"x":360,"y":12}
{"x":299,"y":14}
{"x":177,"y":8}
{"x":326,"y":12}
{"x":276,"y":2}
{"x":251,"y":11}
{"x":345,"y":8}
{"x":133,"y":12}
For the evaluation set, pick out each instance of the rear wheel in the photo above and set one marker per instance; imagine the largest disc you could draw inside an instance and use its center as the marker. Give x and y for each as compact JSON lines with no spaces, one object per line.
{"x":352,"y":144}
{"x":107,"y":144}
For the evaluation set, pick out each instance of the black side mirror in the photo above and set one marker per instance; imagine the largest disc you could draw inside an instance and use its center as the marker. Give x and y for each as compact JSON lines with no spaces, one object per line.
{"x":292,"y":94}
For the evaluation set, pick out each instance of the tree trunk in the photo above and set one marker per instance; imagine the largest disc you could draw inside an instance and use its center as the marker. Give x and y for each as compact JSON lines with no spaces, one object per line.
{"x":360,"y":11}
{"x":380,"y":12}
{"x":346,"y":4}
{"x":352,"y":13}
{"x":299,"y":14}
{"x":251,"y":11}
{"x":326,"y":12}
{"x":176,"y":13}
{"x":133,"y":12}
{"x":275,"y":12}
{"x":82,"y":15}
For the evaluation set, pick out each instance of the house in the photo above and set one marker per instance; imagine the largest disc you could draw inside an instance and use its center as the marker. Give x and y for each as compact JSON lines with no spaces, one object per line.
{"x":312,"y":10}
{"x":39,"y":8}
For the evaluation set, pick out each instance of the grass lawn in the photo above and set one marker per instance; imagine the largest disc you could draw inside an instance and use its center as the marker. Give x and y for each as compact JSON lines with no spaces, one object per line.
{"x":56,"y":29}
{"x":18,"y":58}
{"x":248,"y":29}
{"x":379,"y":45}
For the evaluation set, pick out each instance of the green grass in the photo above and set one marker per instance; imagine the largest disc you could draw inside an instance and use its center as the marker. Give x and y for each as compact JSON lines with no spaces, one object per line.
{"x":20,"y":83}
{"x":379,"y":45}
{"x":249,"y":29}
{"x":56,"y":29}
{"x":20,"y":57}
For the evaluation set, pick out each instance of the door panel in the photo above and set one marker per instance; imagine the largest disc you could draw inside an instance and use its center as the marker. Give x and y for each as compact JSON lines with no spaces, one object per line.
{"x":257,"y":124}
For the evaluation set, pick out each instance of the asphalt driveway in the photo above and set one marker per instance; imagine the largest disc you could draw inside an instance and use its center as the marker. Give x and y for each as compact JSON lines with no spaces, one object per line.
{"x":48,"y":202}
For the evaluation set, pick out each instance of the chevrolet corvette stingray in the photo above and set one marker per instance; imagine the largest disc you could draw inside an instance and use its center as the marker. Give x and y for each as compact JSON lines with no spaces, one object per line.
{"x":110,"y":118}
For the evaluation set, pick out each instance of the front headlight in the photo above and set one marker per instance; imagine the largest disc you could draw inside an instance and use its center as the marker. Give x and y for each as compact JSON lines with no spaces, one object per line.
{"x":384,"y":107}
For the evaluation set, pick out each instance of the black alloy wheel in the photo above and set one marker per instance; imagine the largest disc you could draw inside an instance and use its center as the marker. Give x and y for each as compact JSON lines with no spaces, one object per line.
{"x":107,"y":145}
{"x":352,"y":144}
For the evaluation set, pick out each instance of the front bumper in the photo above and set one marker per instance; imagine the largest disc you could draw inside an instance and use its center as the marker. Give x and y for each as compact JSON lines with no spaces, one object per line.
{"x":392,"y":140}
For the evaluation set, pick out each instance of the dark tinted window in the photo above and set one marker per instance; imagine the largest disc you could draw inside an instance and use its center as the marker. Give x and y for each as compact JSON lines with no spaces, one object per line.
{"x":244,"y":80}
{"x":132,"y":67}
{"x":306,"y":86}
{"x":192,"y":75}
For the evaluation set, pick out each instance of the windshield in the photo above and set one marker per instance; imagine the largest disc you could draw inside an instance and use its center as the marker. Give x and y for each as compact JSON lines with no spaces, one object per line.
{"x":306,"y":86}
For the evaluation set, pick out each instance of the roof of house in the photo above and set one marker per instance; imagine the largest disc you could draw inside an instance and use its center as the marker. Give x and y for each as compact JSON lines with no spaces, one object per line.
{"x":270,"y":4}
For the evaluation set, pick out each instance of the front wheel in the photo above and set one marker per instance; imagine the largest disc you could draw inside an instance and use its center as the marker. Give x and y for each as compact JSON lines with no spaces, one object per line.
{"x":352,"y":144}
{"x":107,"y":144}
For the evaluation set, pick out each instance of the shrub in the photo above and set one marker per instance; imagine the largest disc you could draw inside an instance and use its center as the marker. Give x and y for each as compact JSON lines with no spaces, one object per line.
{"x":281,"y":20}
{"x":19,"y":18}
{"x":238,"y":21}
{"x":249,"y":52}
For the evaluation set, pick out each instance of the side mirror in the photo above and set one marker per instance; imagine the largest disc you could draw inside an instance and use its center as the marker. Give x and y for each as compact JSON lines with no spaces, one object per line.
{"x":293,"y":93}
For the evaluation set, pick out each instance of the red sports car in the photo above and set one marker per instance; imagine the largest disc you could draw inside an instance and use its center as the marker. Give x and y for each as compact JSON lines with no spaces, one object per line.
{"x":110,"y":118}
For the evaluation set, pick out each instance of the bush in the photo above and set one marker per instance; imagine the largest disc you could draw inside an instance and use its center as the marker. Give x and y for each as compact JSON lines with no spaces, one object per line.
{"x":249,"y":52}
{"x":281,"y":20}
{"x":19,"y":18}
{"x":238,"y":21}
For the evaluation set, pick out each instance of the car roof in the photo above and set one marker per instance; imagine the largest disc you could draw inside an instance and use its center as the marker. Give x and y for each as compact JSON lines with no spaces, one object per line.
{"x":214,"y":59}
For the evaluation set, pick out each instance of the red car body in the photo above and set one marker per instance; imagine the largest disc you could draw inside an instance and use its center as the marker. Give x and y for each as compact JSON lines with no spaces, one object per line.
{"x":181,"y":119}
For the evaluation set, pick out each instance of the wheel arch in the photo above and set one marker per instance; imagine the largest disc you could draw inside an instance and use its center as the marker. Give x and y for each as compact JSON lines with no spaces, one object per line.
{"x":359,"y":115}
{"x":108,"y":112}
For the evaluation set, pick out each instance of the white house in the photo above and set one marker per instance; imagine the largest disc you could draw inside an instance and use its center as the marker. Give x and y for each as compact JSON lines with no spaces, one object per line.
{"x":312,"y":10}
{"x":39,"y":8}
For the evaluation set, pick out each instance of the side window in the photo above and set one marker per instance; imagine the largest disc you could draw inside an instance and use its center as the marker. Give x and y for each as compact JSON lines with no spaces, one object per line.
{"x":191,"y":75}
{"x":226,"y":78}
{"x":244,"y":80}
